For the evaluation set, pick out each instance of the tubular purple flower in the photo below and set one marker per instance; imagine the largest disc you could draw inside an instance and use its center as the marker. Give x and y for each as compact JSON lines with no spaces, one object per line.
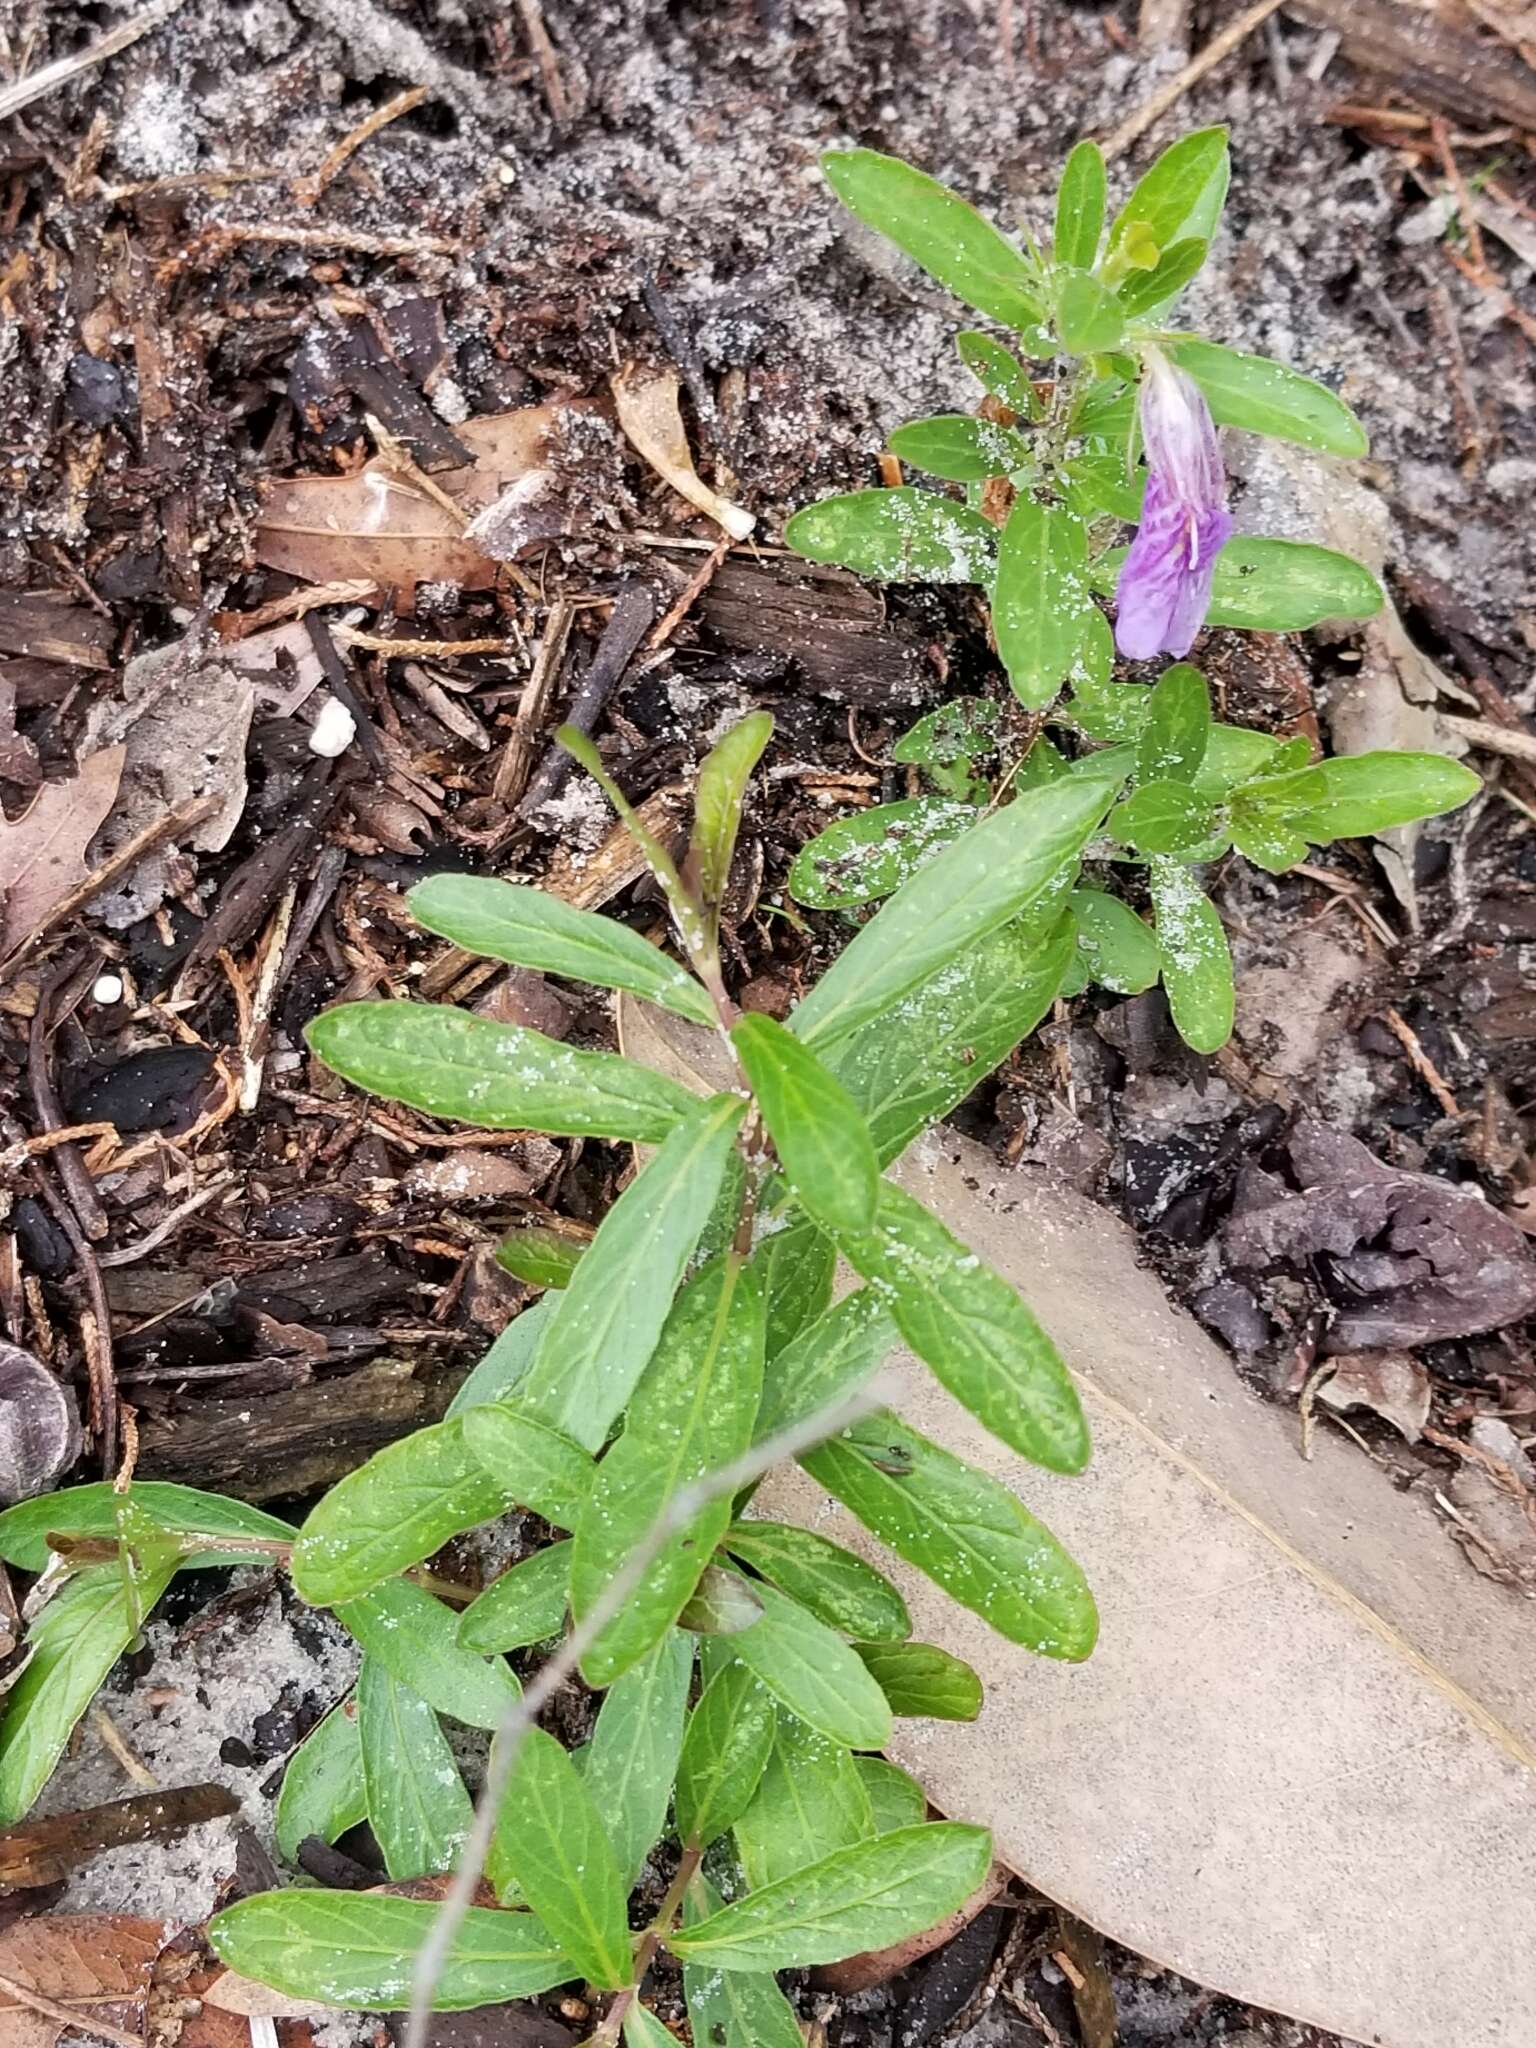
{"x":1165,"y":582}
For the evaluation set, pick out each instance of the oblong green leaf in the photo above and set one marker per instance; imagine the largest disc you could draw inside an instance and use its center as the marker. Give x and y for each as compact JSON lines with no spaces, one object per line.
{"x":417,"y":1805}
{"x":1080,"y":200}
{"x":717,"y":800}
{"x":725,"y":1750}
{"x":869,"y":854}
{"x":813,"y":1672}
{"x":498,"y":1076}
{"x":531,"y":928}
{"x":1115,"y":945}
{"x":632,"y":1758}
{"x":1001,"y":372}
{"x":415,"y":1638}
{"x":392,"y":1512}
{"x":540,"y":1256}
{"x":1266,"y":398}
{"x":1000,"y":867}
{"x":92,"y":1511}
{"x":1365,"y":793}
{"x":940,"y":231}
{"x":829,"y":1360}
{"x":809,"y":1802}
{"x":1042,"y":599}
{"x":1089,"y":317}
{"x":866,"y":1897}
{"x":1177,"y":727}
{"x":896,"y":1799}
{"x":525,"y":1605}
{"x":532,"y":1463}
{"x":734,"y":2008}
{"x":1145,"y":290}
{"x":972,"y":1331}
{"x":902,"y":535}
{"x":507,"y":1360}
{"x":1162,"y":817}
{"x":797,"y":1263}
{"x":358,"y":1950}
{"x":693,"y":1411}
{"x":323,"y":1792}
{"x":961,"y":448}
{"x":607,"y":1322}
{"x":965,"y":1530}
{"x":74,"y":1643}
{"x":1174,"y":198}
{"x":821,"y":1138}
{"x":550,"y":1835}
{"x":1284,"y":586}
{"x":1197,"y":961}
{"x":834,"y":1585}
{"x":921,"y":1681}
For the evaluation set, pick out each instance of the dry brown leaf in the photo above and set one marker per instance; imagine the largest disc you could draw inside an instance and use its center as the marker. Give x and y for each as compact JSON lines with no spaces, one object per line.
{"x":232,"y":1993}
{"x":1392,"y":1383}
{"x":42,"y":853}
{"x":1301,"y":1695}
{"x":39,"y":1426}
{"x":646,"y":403}
{"x":382,"y":528}
{"x":100,"y":1963}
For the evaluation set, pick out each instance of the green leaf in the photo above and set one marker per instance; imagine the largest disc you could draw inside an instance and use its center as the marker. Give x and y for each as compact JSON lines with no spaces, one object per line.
{"x":1041,"y":600}
{"x":1001,"y":372}
{"x":809,"y":1801}
{"x":323,"y":1792}
{"x":508,"y":1359}
{"x":525,"y":1605}
{"x":866,"y":1897}
{"x":1105,"y":710}
{"x":1177,"y":726}
{"x":693,"y":1411}
{"x":834,"y":1585}
{"x":972,"y":1331}
{"x":725,"y":1751}
{"x":540,"y":1256}
{"x":1080,"y":207}
{"x":1116,"y":947}
{"x":961,"y":449}
{"x":609,"y":1318}
{"x":633,"y":1756}
{"x":722,"y":787}
{"x":904,"y":535}
{"x":966,"y":1531}
{"x":1265,"y":839}
{"x":1000,"y":867}
{"x":1174,"y":199}
{"x":1284,"y":586}
{"x":642,"y":2029}
{"x":722,"y":1604}
{"x":1197,"y":962}
{"x":1233,"y":754}
{"x":870,"y":853}
{"x":896,"y":1799}
{"x":797,"y":1263}
{"x":358,"y":1950}
{"x":92,"y":1511}
{"x":687,"y":913}
{"x":533,"y":1464}
{"x":1089,"y":318}
{"x":924,"y":1056}
{"x":392,"y":1512}
{"x":415,"y":1638}
{"x":497,"y":1076}
{"x":1145,"y":290}
{"x":417,"y":1805}
{"x":813,"y":1672}
{"x":1103,"y":486}
{"x":829,"y":1360}
{"x":921,"y":1681}
{"x":940,"y":232}
{"x":1162,"y":817}
{"x":531,"y":928}
{"x":74,"y":1643}
{"x":1267,"y":398}
{"x":822,"y":1140}
{"x":953,"y":736}
{"x":550,"y":1836}
{"x":1365,"y":793}
{"x":733,"y":2008}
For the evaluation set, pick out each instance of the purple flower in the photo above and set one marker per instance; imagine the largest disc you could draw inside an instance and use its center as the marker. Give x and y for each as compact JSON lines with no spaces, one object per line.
{"x":1165,"y":582}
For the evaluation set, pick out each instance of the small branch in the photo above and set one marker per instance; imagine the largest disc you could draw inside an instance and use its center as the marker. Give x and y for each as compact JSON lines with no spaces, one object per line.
{"x":633,"y":610}
{"x":71,"y":2017}
{"x":541,"y":1689}
{"x":308,"y":189}
{"x":1120,"y":139}
{"x":37,"y":84}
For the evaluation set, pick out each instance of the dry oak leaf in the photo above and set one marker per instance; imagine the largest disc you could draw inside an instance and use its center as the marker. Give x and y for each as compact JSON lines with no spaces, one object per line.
{"x":100,"y":1964}
{"x":42,"y":853}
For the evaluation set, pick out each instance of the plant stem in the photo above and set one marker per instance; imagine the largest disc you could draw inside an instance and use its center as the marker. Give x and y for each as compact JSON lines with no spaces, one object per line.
{"x":612,"y":2021}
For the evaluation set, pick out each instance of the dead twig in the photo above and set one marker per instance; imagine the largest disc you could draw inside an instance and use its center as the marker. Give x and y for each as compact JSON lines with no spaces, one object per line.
{"x":22,"y":92}
{"x":1120,"y":139}
{"x":690,"y":596}
{"x":1420,"y":1061}
{"x":77,"y":1182}
{"x":1513,"y":742}
{"x":221,"y":233}
{"x":549,"y":64}
{"x":72,"y":2017}
{"x":633,"y":610}
{"x":308,"y":188}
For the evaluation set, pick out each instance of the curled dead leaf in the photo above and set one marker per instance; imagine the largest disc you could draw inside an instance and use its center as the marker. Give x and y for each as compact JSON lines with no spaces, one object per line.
{"x":1392,"y":1383}
{"x":646,"y":403}
{"x":879,"y":1965}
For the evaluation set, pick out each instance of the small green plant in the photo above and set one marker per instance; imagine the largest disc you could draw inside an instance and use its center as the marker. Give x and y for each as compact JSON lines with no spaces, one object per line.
{"x":1122,"y":432}
{"x":749,"y":1670}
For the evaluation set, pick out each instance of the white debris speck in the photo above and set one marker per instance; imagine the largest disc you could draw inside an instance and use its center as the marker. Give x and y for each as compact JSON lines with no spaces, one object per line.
{"x":333,"y":731}
{"x":107,"y":989}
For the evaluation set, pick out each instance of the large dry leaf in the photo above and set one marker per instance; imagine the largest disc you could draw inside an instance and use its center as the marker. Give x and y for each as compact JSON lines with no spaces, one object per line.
{"x":1300,"y":1765}
{"x":99,"y":1963}
{"x":42,"y":853}
{"x":384,"y":529}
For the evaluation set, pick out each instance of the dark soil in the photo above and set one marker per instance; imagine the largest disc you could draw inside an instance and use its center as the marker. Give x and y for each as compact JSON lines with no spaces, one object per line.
{"x":294,"y":1277}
